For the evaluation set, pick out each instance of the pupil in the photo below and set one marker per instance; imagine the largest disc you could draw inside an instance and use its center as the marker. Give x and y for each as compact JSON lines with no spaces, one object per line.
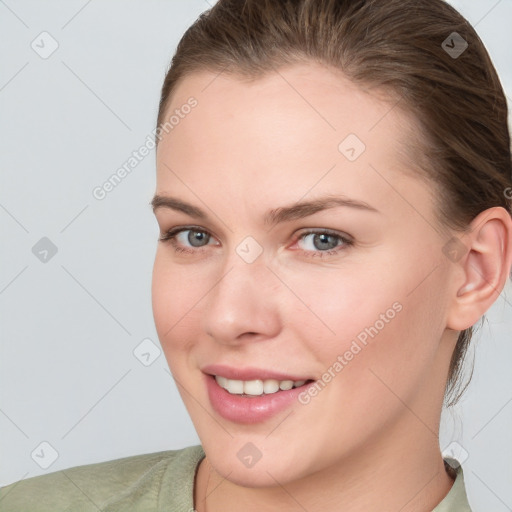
{"x":196,"y":238}
{"x":325,"y":241}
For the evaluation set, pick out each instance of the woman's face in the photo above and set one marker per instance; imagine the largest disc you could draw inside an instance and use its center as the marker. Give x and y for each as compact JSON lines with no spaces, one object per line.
{"x":349,"y":291}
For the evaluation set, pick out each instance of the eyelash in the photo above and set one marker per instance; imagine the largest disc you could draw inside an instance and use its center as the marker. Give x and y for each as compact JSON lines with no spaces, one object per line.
{"x":346,"y":242}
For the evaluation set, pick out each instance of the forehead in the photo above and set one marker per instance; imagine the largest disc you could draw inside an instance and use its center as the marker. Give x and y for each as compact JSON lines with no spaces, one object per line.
{"x":301,"y":129}
{"x":323,"y":99}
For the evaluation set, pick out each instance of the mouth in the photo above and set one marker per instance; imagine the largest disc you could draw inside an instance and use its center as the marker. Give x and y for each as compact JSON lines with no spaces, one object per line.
{"x":258,"y":387}
{"x":252,"y":395}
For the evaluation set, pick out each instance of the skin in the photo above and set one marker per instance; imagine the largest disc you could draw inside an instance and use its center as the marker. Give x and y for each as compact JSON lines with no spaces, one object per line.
{"x":369,"y":439}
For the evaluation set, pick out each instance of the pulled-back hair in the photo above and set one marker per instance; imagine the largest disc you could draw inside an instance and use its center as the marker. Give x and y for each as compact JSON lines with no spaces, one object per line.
{"x":405,"y":48}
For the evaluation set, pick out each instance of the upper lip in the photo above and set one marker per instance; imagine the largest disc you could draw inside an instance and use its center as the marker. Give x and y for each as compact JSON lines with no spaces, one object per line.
{"x":248,"y":373}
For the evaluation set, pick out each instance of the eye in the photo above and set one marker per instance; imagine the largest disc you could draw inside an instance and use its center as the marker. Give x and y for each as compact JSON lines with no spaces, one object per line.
{"x":187,"y":239}
{"x":192,"y":239}
{"x":322,"y":242}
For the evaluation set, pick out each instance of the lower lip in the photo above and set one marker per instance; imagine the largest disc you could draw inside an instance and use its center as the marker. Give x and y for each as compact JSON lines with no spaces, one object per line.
{"x":250,"y":409}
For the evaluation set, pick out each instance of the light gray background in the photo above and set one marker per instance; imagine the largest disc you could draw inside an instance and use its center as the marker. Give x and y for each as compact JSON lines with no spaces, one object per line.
{"x":68,"y":375}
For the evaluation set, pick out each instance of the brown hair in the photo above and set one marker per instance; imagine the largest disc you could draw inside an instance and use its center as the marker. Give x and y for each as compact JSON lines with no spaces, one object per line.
{"x":401,"y":47}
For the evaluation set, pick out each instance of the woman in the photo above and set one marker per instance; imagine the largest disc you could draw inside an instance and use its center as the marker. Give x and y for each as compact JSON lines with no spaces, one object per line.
{"x":332,"y":196}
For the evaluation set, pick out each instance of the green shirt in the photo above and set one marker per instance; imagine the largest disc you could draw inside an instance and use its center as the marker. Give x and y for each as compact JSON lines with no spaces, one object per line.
{"x":162,"y":481}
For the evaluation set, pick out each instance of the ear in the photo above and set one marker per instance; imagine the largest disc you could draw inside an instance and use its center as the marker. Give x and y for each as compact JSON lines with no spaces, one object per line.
{"x":485,"y":259}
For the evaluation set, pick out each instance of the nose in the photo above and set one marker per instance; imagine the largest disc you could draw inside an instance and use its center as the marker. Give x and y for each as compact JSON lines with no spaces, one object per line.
{"x":242,"y":306}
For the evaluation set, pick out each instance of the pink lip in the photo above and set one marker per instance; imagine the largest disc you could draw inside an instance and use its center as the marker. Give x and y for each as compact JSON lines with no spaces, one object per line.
{"x":248,"y":373}
{"x":250,"y":409}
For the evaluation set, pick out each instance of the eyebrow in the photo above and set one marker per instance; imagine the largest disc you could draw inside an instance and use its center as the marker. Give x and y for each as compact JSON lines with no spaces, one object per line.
{"x":282,"y":214}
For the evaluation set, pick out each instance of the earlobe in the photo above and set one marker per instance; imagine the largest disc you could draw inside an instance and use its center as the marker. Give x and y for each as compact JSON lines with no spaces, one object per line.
{"x":486,"y":267}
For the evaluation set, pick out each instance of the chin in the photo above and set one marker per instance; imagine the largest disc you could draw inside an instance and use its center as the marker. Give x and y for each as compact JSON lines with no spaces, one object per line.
{"x":251,"y":461}
{"x":259,"y":476}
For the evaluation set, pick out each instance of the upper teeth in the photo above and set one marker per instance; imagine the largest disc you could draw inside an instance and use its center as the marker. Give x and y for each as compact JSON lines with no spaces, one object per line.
{"x":256,"y":387}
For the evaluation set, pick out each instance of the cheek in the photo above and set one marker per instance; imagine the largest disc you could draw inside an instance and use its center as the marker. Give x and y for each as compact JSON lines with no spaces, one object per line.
{"x":380,"y":355}
{"x":176,"y":295}
{"x":338,"y":307}
{"x":364,"y":325}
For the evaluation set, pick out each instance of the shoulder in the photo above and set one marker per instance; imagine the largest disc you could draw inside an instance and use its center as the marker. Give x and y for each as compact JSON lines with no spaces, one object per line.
{"x":131,"y":483}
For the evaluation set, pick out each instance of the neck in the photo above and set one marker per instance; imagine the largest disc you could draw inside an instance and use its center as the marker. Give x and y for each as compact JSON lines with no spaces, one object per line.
{"x":404,"y":471}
